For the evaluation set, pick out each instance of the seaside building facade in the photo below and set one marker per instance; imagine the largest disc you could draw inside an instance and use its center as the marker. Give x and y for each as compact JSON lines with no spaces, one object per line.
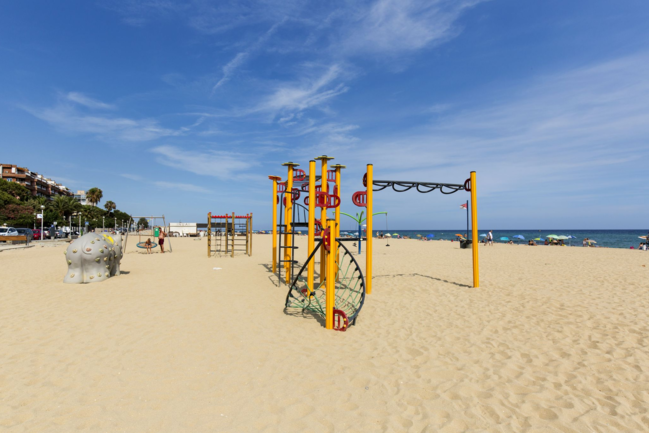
{"x":37,"y":184}
{"x":80,"y":196}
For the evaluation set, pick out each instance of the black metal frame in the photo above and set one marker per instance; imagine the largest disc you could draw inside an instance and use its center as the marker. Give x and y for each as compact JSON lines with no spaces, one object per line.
{"x":406,"y":185}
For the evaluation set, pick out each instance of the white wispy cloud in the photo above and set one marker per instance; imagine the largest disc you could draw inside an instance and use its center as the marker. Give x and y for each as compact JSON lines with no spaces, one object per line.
{"x":182,"y":187}
{"x":87,"y":101}
{"x":220,"y":164}
{"x":132,"y":176}
{"x":241,"y":57}
{"x":306,"y":93}
{"x":396,"y":26}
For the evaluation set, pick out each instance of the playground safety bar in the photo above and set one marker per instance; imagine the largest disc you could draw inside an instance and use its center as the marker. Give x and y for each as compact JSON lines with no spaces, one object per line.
{"x":230,"y":216}
{"x":423,"y":187}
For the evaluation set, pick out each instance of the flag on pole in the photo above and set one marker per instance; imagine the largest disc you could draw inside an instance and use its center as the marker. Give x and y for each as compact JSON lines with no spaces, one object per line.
{"x":463,"y":206}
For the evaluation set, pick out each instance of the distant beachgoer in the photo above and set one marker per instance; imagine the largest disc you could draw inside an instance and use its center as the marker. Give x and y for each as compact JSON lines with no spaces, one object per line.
{"x":546,"y":242}
{"x":531,"y":243}
{"x":490,"y":238}
{"x":510,"y":243}
{"x":585,"y":243}
{"x":148,"y":245}
{"x":161,"y":240}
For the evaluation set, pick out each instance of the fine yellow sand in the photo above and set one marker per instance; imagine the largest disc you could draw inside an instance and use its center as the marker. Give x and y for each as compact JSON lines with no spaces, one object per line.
{"x":554,"y":340}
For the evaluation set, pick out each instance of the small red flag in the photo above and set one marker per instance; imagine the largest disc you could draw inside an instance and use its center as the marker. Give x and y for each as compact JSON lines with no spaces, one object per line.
{"x":463,"y":206}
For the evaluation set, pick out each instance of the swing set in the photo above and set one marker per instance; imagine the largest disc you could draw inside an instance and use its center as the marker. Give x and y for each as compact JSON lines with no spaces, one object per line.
{"x":153,"y":231}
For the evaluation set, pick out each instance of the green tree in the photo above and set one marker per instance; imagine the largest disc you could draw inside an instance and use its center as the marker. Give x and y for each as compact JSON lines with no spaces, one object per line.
{"x":94,"y":195}
{"x":37,"y":202}
{"x":65,"y":206}
{"x":18,"y":215}
{"x":16,"y":190}
{"x":143,"y":223}
{"x":110,"y":206}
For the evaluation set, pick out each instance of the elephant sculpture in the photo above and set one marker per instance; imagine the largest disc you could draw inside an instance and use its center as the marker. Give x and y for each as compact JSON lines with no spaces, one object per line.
{"x":93,"y":257}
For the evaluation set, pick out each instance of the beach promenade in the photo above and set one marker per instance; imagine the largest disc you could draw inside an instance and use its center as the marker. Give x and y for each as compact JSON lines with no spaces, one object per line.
{"x":554,"y":340}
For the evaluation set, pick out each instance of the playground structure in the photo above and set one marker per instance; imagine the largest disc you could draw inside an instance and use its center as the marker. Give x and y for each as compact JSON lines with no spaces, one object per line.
{"x":152,"y":231}
{"x":340,"y":292}
{"x":231,"y":233}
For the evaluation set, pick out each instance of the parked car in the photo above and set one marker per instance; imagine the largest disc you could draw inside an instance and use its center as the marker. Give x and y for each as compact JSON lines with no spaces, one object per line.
{"x":37,"y":234}
{"x":8,"y":231}
{"x":26,"y":232}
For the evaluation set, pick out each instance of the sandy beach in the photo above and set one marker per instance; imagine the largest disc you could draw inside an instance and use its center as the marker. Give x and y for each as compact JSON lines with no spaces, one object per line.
{"x":554,"y":340}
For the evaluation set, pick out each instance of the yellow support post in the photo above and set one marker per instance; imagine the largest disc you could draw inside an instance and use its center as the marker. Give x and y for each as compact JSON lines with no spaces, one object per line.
{"x":311,"y":265}
{"x":250,"y":234}
{"x":338,"y":168}
{"x":331,"y":277}
{"x":209,"y":234}
{"x":324,"y":187}
{"x":474,"y":231}
{"x":226,"y":233}
{"x":275,"y":179}
{"x":368,"y":245}
{"x":289,"y":216}
{"x":234,"y":233}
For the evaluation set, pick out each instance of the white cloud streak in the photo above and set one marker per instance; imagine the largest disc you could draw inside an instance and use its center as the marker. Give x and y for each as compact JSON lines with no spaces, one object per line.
{"x":187,"y":187}
{"x":220,"y":164}
{"x":87,"y":101}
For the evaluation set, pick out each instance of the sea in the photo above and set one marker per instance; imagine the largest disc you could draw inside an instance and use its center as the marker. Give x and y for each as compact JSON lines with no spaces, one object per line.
{"x":603,"y":238}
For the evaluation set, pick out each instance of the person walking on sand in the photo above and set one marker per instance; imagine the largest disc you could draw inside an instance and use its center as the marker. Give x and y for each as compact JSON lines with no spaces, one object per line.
{"x":161,"y":240}
{"x":490,"y":238}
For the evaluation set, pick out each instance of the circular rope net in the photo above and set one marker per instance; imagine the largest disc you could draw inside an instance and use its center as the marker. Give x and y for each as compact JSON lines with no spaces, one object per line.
{"x":349,"y":292}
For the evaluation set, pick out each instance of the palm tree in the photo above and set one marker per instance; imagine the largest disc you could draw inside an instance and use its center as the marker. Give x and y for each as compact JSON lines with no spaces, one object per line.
{"x":65,"y":206}
{"x":94,"y":195}
{"x":36,"y":202}
{"x":110,"y":206}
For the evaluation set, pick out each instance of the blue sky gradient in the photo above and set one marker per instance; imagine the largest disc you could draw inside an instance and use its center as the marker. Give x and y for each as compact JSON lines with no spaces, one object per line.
{"x":186,"y":107}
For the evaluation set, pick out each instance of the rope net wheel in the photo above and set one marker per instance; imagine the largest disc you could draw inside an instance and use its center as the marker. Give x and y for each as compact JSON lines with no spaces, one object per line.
{"x":349,"y":292}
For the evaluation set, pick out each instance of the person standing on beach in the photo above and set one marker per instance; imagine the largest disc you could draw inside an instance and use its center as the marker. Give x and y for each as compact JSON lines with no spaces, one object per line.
{"x":161,"y":240}
{"x":490,"y":238}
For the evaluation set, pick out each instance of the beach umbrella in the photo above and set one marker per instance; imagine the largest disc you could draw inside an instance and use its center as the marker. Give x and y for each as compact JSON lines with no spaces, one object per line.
{"x":504,"y":238}
{"x":458,"y":234}
{"x":483,"y":236}
{"x":590,"y":241}
{"x":521,"y":237}
{"x":418,"y":236}
{"x":395,"y":234}
{"x":539,"y":239}
{"x":561,"y":238}
{"x":552,"y":236}
{"x":388,"y":235}
{"x":643,"y":237}
{"x":430,"y":236}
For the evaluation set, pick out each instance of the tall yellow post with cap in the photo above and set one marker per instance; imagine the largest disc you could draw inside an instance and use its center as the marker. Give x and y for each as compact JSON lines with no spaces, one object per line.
{"x":330,"y":281}
{"x":368,"y":252}
{"x":275,"y":179}
{"x":474,"y":231}
{"x":289,"y":217}
{"x":324,"y":185}
{"x":311,"y":265}
{"x":338,"y":168}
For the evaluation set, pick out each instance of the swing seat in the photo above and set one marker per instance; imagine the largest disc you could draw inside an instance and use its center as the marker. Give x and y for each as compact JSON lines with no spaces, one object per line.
{"x":142,"y":245}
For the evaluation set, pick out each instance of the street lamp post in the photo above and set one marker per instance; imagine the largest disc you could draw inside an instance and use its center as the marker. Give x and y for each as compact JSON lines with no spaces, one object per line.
{"x":103,"y":223}
{"x":79,"y":224}
{"x":42,"y":232}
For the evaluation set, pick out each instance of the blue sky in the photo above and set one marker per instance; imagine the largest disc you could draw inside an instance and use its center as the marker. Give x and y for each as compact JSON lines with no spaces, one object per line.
{"x":180,"y":108}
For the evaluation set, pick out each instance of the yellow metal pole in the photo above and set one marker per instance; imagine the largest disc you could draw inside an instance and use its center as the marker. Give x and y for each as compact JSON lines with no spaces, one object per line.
{"x":275,"y":179}
{"x":474,"y":231}
{"x":289,"y":217}
{"x":368,"y":258}
{"x":338,"y":168}
{"x":209,"y":234}
{"x":233,"y":233}
{"x":311,"y":265}
{"x":324,"y":187}
{"x":250,"y":233}
{"x":331,"y":277}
